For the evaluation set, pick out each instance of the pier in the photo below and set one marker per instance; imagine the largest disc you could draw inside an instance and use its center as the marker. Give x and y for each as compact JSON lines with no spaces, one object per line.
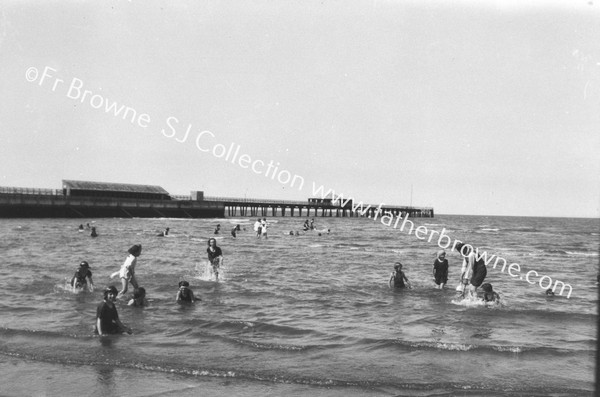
{"x":81,"y":199}
{"x":262,"y":207}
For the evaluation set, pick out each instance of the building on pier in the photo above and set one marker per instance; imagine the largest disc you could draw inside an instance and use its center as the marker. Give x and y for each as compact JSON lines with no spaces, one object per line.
{"x":83,"y":199}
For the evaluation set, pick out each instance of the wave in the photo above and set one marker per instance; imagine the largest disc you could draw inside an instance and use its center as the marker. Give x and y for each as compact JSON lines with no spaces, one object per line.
{"x":426,"y":388}
{"x":449,"y":346}
{"x":523,"y":230}
{"x":580,"y":253}
{"x":571,"y":253}
{"x":255,"y":326}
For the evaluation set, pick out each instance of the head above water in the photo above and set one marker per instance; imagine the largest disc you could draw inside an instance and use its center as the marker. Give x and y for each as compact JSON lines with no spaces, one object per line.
{"x":487,"y":287}
{"x":464,"y":249}
{"x":135,"y":250}
{"x":139,"y":293}
{"x":111,"y":289}
{"x":549,"y":292}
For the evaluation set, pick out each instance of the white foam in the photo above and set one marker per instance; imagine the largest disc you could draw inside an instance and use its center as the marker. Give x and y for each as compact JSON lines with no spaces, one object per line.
{"x":204,"y":272}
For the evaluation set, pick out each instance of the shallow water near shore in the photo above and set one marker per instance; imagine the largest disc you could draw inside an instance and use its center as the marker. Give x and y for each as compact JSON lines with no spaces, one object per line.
{"x":298,"y":315}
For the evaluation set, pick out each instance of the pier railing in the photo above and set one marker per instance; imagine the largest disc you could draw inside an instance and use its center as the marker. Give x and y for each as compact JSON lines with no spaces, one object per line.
{"x":254,"y":200}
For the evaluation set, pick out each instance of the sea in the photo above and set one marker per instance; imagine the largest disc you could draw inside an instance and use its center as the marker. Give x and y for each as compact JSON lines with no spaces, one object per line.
{"x":300,"y":315}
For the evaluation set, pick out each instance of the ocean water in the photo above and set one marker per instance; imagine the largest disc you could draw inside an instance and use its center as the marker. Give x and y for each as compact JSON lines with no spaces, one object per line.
{"x":304,"y":315}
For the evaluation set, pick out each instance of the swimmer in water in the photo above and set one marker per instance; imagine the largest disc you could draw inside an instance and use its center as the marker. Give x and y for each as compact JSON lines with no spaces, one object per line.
{"x":165,"y":233}
{"x":398,"y":277}
{"x":258,"y":228}
{"x":215,"y":256}
{"x":94,"y":234}
{"x":440,"y":269}
{"x":264,"y":225}
{"x":185,"y":294}
{"x":139,"y":298}
{"x":306,"y":225}
{"x":127,"y":271}
{"x":549,"y":292}
{"x":489,"y":295}
{"x":107,"y":318}
{"x":83,"y":277}
{"x":218,"y":229}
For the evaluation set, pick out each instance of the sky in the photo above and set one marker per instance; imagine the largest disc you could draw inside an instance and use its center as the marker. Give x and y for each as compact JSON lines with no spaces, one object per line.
{"x":469,"y":107}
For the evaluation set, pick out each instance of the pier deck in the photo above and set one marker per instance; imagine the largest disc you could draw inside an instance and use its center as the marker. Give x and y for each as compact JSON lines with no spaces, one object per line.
{"x":51,"y":203}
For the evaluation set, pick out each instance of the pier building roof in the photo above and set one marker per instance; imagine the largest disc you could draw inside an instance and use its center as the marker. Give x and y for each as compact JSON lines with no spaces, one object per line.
{"x":79,"y":188}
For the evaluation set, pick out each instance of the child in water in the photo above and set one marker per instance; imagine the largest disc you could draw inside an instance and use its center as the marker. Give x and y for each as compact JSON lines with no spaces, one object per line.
{"x":185,"y":294}
{"x":165,"y":233}
{"x":127,"y":272}
{"x":440,"y":269}
{"x":139,"y":297}
{"x":83,"y":277}
{"x":488,"y":293}
{"x":107,"y":318}
{"x":215,"y":256}
{"x":398,"y":277}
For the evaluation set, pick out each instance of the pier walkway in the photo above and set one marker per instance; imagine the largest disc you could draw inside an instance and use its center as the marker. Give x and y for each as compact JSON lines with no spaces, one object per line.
{"x":263,"y":207}
{"x":61,"y":203}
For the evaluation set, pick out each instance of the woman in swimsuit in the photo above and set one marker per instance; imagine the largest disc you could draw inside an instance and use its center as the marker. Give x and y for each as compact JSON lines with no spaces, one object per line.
{"x":215,"y":256}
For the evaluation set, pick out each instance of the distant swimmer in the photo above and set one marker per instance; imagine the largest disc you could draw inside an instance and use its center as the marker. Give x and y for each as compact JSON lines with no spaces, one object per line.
{"x":165,"y":233}
{"x":215,"y":256}
{"x":258,"y":228}
{"x":139,"y":298}
{"x":83,"y":277}
{"x":94,"y":233}
{"x":185,"y":294}
{"x":264,"y":226}
{"x":398,"y":278}
{"x":440,"y":269}
{"x":466,"y":271}
{"x":312,"y":224}
{"x":107,"y":318}
{"x":127,"y":271}
{"x":549,"y":292}
{"x":489,"y":295}
{"x":306,"y":226}
{"x":479,"y":274}
{"x":218,"y":229}
{"x":81,"y":227}
{"x":234,"y":231}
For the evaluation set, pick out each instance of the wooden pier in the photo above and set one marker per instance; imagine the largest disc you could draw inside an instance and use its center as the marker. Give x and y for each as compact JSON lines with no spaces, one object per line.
{"x":81,"y":199}
{"x":263,"y":207}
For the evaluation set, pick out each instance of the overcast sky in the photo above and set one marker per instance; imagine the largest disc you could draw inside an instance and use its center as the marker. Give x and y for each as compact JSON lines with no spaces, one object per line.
{"x":477,"y":107}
